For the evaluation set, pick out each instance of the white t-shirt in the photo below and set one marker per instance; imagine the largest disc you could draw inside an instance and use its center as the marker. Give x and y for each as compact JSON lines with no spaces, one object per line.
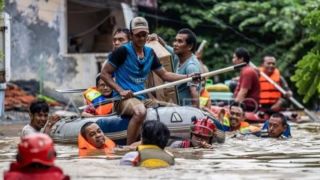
{"x":27,"y":130}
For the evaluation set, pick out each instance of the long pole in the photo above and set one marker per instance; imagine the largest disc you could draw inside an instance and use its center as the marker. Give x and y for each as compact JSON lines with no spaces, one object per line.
{"x":166,"y":85}
{"x":292,"y":99}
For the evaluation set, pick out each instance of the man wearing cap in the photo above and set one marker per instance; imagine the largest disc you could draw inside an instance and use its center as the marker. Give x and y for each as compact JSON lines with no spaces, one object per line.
{"x":131,"y":64}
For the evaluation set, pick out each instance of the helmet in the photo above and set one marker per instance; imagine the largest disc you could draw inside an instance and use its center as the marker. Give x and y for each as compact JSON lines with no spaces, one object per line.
{"x":36,"y":148}
{"x":203,"y":127}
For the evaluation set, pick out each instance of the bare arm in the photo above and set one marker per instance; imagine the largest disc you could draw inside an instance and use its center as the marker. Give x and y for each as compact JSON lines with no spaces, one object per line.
{"x":194,"y":95}
{"x":106,"y":76}
{"x":241,"y":95}
{"x":169,"y":76}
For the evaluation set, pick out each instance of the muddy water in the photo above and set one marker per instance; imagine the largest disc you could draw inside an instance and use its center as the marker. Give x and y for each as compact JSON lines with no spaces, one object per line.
{"x":239,"y":158}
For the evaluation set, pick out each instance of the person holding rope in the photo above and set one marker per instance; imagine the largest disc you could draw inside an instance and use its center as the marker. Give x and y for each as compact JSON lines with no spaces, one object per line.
{"x":131,"y":64}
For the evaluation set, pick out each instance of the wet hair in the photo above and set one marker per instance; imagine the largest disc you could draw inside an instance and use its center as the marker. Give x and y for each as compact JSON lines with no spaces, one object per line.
{"x":98,"y":77}
{"x":238,"y":104}
{"x":122,"y":30}
{"x":38,"y":106}
{"x":242,"y":53}
{"x":282,"y":117}
{"x":155,"y":133}
{"x":191,"y":38}
{"x":83,"y":129}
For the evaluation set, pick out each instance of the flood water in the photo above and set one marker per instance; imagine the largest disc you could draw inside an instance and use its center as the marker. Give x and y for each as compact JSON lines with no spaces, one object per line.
{"x":238,"y":158}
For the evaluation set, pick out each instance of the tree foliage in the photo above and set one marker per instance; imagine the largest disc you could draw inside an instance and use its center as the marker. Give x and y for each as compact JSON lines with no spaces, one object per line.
{"x":307,"y":74}
{"x":288,"y":29}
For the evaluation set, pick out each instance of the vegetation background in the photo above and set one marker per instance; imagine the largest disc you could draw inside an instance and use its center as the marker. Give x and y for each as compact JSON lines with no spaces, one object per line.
{"x":288,"y":29}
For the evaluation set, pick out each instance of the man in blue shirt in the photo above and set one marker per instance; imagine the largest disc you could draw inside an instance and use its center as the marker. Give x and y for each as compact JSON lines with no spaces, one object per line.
{"x":131,"y":64}
{"x":183,"y":47}
{"x":276,"y":127}
{"x":184,"y":62}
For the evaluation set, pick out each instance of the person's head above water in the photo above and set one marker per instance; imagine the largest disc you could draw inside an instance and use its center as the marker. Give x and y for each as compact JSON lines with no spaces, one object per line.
{"x":202,"y":130}
{"x":277,"y":125}
{"x":155,"y":133}
{"x":92,"y":133}
{"x":236,"y":115}
{"x":36,"y":149}
{"x":39,"y":114}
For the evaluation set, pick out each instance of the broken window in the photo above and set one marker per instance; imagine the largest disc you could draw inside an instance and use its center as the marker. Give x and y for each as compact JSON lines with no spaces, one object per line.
{"x":90,"y":24}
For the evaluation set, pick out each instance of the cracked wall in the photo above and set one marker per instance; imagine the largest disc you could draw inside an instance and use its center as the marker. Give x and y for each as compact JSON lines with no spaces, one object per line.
{"x":37,"y":41}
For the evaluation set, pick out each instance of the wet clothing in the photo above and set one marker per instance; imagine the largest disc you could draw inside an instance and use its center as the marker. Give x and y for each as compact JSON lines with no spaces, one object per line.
{"x":269,"y":94}
{"x":191,"y":65}
{"x":249,"y":79}
{"x":27,"y":130}
{"x":286,"y":134}
{"x":150,"y":156}
{"x":16,"y":172}
{"x":132,"y":71}
{"x":93,"y":96}
{"x":181,"y":144}
{"x":86,"y":149}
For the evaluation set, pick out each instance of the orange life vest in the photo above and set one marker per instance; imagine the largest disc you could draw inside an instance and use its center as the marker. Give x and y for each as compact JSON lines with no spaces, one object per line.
{"x":204,"y":97}
{"x":92,"y":95}
{"x":268,"y":92}
{"x":86,"y":149}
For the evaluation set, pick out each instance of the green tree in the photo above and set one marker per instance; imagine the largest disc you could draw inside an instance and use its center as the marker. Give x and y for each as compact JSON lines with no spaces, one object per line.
{"x":260,"y":26}
{"x":307,"y":74}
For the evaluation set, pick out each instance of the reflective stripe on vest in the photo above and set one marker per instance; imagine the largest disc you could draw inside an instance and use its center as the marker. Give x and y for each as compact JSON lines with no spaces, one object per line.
{"x":204,"y":97}
{"x":268,"y":92}
{"x":152,"y":156}
{"x":92,"y":95}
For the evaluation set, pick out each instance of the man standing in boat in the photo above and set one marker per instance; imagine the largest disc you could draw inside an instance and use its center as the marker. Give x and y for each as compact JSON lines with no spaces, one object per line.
{"x":248,"y":88}
{"x":270,"y":98}
{"x":131,"y":64}
{"x":185,"y":62}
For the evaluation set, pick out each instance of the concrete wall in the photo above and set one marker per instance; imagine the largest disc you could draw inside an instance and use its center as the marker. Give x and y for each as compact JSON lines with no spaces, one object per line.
{"x":39,"y":46}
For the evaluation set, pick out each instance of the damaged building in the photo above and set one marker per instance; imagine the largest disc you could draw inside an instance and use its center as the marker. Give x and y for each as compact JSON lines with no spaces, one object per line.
{"x":61,"y":43}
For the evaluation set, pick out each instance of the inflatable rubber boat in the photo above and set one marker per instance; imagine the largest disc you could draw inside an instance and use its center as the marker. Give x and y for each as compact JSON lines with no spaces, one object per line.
{"x":178,"y":119}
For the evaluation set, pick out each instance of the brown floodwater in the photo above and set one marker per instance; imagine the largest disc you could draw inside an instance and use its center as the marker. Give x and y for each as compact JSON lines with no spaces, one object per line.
{"x":238,"y":158}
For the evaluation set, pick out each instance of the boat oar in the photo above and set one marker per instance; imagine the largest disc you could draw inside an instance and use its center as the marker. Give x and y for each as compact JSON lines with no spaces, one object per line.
{"x":166,"y":85}
{"x":70,"y":90}
{"x":292,"y":99}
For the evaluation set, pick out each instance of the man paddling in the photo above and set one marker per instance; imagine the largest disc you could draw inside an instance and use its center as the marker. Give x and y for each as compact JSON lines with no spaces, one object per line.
{"x":248,"y":88}
{"x":131,"y":64}
{"x":271,"y":98}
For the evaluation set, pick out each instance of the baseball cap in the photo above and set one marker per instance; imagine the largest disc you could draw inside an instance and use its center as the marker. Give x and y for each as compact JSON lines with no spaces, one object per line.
{"x":139,"y":24}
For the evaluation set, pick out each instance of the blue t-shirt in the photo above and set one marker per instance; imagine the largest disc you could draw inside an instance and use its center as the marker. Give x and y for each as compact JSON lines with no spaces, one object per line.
{"x":131,"y":71}
{"x":191,"y":65}
{"x":285,"y":134}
